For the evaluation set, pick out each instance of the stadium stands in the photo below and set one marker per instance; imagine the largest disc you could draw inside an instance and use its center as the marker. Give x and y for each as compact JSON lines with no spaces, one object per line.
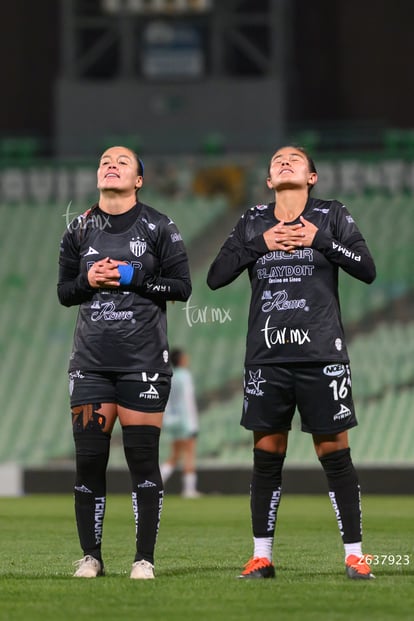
{"x":36,"y":332}
{"x":36,"y":337}
{"x":381,"y":351}
{"x":192,"y":214}
{"x":386,"y":223}
{"x":384,"y":396}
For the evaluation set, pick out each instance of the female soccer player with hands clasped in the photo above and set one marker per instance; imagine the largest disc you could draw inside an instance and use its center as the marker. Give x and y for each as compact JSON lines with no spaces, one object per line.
{"x":296,"y":354}
{"x":120,"y":262}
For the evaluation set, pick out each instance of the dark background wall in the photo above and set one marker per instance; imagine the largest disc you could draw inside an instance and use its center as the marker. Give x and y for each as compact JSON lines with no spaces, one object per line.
{"x":350,"y":60}
{"x":29,"y":49}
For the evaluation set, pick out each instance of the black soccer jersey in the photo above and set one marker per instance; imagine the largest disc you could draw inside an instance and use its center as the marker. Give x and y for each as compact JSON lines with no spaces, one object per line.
{"x":123,"y":329}
{"x":294,"y":311}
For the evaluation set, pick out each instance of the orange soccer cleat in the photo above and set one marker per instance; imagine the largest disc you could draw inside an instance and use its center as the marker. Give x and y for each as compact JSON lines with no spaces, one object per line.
{"x":258,"y":568}
{"x":359,"y":567}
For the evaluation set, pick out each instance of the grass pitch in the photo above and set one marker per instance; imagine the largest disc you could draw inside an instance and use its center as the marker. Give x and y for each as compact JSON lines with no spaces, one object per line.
{"x":202,"y":546}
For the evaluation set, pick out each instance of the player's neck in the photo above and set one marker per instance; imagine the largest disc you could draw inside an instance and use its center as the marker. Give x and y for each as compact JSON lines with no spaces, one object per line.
{"x":289,"y":204}
{"x":115,"y":203}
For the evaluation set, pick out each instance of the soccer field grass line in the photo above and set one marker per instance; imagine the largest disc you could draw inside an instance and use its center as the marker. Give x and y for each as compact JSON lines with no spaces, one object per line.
{"x":202,"y":546}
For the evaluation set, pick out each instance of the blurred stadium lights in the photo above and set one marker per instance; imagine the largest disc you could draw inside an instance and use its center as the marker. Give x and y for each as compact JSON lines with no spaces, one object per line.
{"x":156,"y":6}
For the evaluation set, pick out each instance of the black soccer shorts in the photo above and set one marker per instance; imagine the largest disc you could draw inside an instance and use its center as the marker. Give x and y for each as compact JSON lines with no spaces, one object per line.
{"x":143,"y":392}
{"x":322,"y":393}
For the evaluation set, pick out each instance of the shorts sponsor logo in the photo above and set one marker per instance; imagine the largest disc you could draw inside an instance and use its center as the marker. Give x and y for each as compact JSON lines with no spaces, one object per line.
{"x":72,"y":376}
{"x":76,"y":374}
{"x":344,"y":412}
{"x":338,"y":344}
{"x":334,"y":370}
{"x":151,"y":393}
{"x":253,"y":385}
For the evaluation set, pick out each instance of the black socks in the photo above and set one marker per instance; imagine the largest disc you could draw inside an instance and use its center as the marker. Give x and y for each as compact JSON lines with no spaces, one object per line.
{"x":265,"y":491}
{"x":344,"y":493}
{"x":141,"y":445}
{"x":92,"y":453}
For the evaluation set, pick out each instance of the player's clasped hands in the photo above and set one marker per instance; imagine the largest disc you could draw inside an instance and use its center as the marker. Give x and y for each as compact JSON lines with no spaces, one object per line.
{"x":104,"y":273}
{"x":289,"y":237}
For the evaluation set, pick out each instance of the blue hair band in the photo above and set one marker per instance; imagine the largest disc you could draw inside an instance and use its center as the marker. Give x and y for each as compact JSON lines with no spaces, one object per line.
{"x":141,"y":163}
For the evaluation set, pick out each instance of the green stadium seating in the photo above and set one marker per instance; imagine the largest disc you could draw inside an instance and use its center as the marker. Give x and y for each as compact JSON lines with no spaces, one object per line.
{"x":36,"y":338}
{"x":383,"y":379}
{"x":192,"y":214}
{"x":37,"y":332}
{"x":381,"y":358}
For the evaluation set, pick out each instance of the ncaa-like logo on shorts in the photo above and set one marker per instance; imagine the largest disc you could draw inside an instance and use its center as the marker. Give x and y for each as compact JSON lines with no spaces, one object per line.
{"x":138,"y":246}
{"x":334,"y":370}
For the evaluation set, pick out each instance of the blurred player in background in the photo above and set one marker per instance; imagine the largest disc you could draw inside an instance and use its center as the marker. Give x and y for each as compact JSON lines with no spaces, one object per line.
{"x":296,"y":354}
{"x":181,"y":422}
{"x":120,"y":262}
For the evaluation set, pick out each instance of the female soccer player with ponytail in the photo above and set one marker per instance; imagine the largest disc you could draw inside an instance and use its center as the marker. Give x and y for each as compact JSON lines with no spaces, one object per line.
{"x":296,"y":355}
{"x":120,"y":263}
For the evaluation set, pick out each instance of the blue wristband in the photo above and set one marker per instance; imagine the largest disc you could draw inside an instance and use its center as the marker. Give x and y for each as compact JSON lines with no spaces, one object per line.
{"x":126,"y":272}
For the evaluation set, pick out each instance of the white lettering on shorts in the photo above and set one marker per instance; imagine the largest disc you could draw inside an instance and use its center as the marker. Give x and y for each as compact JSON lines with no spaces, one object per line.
{"x":334,"y":370}
{"x":344,"y":412}
{"x":151,"y":393}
